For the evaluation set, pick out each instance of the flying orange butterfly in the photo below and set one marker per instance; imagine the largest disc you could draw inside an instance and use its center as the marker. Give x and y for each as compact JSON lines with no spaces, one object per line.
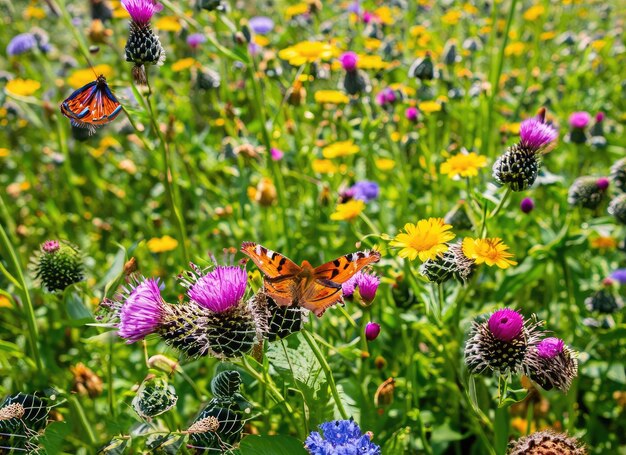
{"x":312,"y":288}
{"x":92,"y":105}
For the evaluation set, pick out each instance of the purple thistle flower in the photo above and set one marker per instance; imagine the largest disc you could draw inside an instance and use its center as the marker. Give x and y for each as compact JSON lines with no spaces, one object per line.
{"x":50,"y":246}
{"x":600,"y":117}
{"x":550,"y":347}
{"x":141,"y":11}
{"x":411,"y":113}
{"x":261,"y":25}
{"x":195,"y":40}
{"x":349,"y":60}
{"x":536,"y":134}
{"x":372,"y":330}
{"x":21,"y":43}
{"x":385,"y":96}
{"x":367,"y":284}
{"x":579,"y":120}
{"x":527,"y":205}
{"x":619,"y":275}
{"x":365,"y":190}
{"x":603,"y":183}
{"x":276,"y":154}
{"x":506,"y":324}
{"x":141,"y":312}
{"x":220,"y":289}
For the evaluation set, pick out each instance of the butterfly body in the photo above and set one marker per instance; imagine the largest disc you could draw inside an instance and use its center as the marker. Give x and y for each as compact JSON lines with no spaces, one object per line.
{"x":312,"y":288}
{"x":92,"y":105}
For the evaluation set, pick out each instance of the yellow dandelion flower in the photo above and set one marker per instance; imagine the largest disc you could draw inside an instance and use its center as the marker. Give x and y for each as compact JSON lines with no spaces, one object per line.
{"x":546,"y":36}
{"x":330,"y":97}
{"x":340,"y":149}
{"x":348,"y":211}
{"x":296,"y":10}
{"x":372,"y":62}
{"x":32,"y":12}
{"x":5,"y":302}
{"x":22,"y":87}
{"x":489,"y":251}
{"x":470,"y":9}
{"x":428,"y":107}
{"x":183,"y":64}
{"x":4,"y":152}
{"x":324,"y":167}
{"x":168,"y":24}
{"x":427,"y":239}
{"x":598,"y":45}
{"x":372,"y":44}
{"x":81,"y":77}
{"x":451,"y":17}
{"x":385,"y":164}
{"x":307,"y":52}
{"x":162,"y":244}
{"x":385,"y":15}
{"x":463,"y":165}
{"x":534,"y":12}
{"x":261,"y":40}
{"x":517,"y":48}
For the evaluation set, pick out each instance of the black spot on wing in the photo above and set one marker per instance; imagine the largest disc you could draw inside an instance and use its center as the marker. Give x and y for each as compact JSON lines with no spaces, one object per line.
{"x":281,"y":263}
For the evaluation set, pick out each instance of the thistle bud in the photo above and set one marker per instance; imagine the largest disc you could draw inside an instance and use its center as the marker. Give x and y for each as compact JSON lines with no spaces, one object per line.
{"x":57,"y":265}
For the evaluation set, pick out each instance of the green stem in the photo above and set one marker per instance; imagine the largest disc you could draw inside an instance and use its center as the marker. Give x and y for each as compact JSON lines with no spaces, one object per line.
{"x":79,"y":412}
{"x":177,"y":218}
{"x":33,"y":332}
{"x":501,"y":203}
{"x":329,"y":375}
{"x":495,"y":80}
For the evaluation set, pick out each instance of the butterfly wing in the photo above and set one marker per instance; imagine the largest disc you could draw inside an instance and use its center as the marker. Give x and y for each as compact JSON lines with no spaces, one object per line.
{"x":317,"y":296}
{"x":343,"y":268}
{"x":92,"y":105}
{"x":272,"y":264}
{"x":77,"y":105}
{"x":281,"y":273}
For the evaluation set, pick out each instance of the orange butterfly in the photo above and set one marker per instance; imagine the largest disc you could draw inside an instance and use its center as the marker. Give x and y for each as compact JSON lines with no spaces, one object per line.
{"x":312,"y":288}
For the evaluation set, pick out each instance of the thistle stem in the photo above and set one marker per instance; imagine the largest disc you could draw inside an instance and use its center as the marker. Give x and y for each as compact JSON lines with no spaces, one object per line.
{"x":326,"y":368}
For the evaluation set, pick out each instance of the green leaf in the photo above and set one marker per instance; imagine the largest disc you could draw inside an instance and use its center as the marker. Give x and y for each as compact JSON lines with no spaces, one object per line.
{"x":55,"y":435}
{"x":271,"y":445}
{"x":75,"y":304}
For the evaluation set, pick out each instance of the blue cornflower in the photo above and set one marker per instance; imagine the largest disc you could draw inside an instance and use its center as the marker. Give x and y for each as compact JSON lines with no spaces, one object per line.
{"x":340,"y":437}
{"x":365,"y":190}
{"x":21,"y":43}
{"x":619,"y":275}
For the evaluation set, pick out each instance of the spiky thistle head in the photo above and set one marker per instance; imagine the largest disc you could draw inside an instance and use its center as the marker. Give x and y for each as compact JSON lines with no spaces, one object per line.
{"x":617,"y":208}
{"x":57,"y":265}
{"x":618,"y":174}
{"x":587,"y":192}
{"x":552,"y":364}
{"x":501,"y":342}
{"x":546,"y":443}
{"x":451,"y":264}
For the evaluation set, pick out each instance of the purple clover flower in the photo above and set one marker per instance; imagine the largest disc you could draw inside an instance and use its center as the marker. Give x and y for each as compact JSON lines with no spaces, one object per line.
{"x":619,"y":275}
{"x":536,"y":134}
{"x":506,"y":324}
{"x":349,"y":61}
{"x":276,"y":154}
{"x":141,"y":11}
{"x":220,"y":289}
{"x":21,"y":43}
{"x":579,"y":120}
{"x":140,"y":314}
{"x":50,"y":246}
{"x":527,"y":205}
{"x":261,"y":25}
{"x":549,"y":348}
{"x":195,"y":40}
{"x":340,"y":437}
{"x":411,"y":113}
{"x":372,"y":330}
{"x":365,"y":190}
